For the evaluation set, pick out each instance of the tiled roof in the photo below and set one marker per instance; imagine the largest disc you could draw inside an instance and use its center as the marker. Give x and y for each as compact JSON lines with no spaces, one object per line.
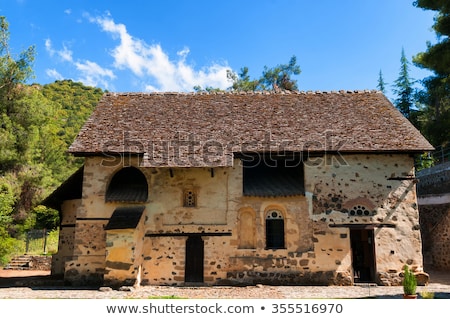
{"x":197,"y":129}
{"x":125,"y":217}
{"x":70,"y":189}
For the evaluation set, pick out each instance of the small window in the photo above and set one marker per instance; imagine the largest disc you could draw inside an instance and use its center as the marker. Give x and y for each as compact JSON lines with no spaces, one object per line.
{"x":360,"y":210}
{"x":274,"y":230}
{"x":190,"y":198}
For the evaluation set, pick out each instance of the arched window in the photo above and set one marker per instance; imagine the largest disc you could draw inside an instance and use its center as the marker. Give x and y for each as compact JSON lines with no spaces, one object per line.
{"x":274,"y":230}
{"x":127,"y":185}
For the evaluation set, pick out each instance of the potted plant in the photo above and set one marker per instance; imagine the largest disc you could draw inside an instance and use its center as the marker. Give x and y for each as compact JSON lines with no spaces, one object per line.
{"x":409,"y":284}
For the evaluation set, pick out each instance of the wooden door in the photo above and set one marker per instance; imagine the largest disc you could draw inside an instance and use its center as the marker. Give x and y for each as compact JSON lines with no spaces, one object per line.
{"x":194,"y":259}
{"x":363,"y":253}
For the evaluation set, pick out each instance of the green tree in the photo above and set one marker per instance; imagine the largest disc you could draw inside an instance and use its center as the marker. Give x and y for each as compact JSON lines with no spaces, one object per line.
{"x":436,"y":58}
{"x":38,"y":123}
{"x":242,"y":81}
{"x":7,"y":201}
{"x":280,"y":76}
{"x":14,"y":72}
{"x":16,"y":117}
{"x":274,"y":78}
{"x":403,"y":88}
{"x":381,"y":83}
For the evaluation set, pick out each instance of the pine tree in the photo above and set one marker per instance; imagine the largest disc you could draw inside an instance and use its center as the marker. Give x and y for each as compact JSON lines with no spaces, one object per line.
{"x":403,"y":88}
{"x":381,"y":84}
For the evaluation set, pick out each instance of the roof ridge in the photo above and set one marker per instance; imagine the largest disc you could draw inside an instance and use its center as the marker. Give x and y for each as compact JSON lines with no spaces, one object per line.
{"x":266,"y":92}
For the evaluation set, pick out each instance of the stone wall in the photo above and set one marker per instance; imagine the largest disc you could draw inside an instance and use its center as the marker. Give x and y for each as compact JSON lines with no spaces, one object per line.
{"x":435,"y":228}
{"x":376,"y":191}
{"x":66,"y":236}
{"x":434,"y":207}
{"x":40,"y":262}
{"x":434,"y":180}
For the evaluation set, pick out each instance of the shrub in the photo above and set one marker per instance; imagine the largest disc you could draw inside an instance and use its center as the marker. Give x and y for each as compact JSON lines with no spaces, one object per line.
{"x":409,"y":282}
{"x":8,"y":246}
{"x":427,"y":294}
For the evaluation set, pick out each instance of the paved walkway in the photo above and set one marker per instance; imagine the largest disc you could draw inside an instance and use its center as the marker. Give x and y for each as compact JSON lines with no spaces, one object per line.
{"x":439,"y":285}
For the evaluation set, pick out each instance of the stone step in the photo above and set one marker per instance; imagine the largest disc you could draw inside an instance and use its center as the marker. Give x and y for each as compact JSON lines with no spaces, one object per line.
{"x":19,"y":263}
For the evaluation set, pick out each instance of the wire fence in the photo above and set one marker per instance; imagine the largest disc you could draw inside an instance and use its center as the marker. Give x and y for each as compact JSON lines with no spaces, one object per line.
{"x":36,"y":241}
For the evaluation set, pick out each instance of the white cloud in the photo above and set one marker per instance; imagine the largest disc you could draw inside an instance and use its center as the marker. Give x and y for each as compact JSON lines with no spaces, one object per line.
{"x":65,"y":54}
{"x":52,"y":73}
{"x":90,"y":73}
{"x":93,"y":74}
{"x":48,"y":47}
{"x":68,"y":11}
{"x":153,"y":65}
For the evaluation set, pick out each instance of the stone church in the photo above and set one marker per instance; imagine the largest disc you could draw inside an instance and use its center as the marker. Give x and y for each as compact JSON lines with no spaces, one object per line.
{"x":286,"y":188}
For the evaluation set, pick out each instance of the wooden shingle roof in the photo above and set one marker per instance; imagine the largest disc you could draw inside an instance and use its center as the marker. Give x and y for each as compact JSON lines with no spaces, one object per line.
{"x":200,"y":129}
{"x":125,"y":217}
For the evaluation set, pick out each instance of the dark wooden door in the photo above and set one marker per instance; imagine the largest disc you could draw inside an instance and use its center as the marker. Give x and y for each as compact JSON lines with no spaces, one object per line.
{"x":363,"y":253}
{"x":194,"y":259}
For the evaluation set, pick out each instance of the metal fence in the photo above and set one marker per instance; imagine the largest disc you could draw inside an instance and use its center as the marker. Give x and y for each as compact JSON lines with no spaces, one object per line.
{"x":441,"y":155}
{"x":438,"y":156}
{"x":36,"y":241}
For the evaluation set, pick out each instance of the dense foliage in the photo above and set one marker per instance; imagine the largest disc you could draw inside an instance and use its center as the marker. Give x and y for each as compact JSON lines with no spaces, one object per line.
{"x":38,"y":123}
{"x":47,"y":119}
{"x":435,"y":98}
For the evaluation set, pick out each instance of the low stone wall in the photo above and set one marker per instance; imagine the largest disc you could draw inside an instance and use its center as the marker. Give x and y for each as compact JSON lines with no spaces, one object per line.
{"x":434,"y":180}
{"x":40,"y":263}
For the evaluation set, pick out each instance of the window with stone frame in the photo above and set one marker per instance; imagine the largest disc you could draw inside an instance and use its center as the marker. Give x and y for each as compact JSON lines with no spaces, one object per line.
{"x":274,"y":230}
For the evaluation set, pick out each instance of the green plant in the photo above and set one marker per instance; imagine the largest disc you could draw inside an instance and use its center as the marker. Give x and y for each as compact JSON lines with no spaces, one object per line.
{"x":8,"y":246}
{"x":409,"y":281}
{"x":425,"y":294}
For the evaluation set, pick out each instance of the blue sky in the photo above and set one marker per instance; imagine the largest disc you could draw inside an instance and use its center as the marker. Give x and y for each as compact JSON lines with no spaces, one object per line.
{"x":147,"y":45}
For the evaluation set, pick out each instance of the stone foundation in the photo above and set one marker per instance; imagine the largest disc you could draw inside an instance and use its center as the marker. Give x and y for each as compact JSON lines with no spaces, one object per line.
{"x":291,"y":278}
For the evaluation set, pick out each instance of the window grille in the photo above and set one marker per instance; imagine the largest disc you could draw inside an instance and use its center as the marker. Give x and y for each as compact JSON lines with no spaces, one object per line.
{"x":190,"y":198}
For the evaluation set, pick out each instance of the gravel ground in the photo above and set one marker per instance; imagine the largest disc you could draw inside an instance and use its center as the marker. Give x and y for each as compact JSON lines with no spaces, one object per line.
{"x":31,"y":285}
